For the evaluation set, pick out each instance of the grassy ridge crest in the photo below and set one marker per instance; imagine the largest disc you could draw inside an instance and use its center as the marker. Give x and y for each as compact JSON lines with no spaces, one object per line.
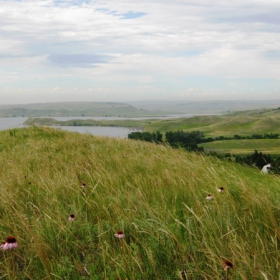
{"x":155,"y":194}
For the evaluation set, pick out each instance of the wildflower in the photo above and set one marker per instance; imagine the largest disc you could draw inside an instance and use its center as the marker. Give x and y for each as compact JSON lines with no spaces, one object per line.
{"x":10,"y":243}
{"x":221,"y":189}
{"x":227,"y":265}
{"x":209,"y":197}
{"x":119,"y":234}
{"x":71,"y":218}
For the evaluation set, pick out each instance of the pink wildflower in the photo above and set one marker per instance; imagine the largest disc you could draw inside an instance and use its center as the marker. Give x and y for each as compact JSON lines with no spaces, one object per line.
{"x":119,"y":234}
{"x":71,"y":218}
{"x":9,"y":244}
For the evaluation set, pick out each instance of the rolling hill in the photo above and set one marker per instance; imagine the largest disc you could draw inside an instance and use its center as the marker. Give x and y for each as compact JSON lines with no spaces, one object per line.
{"x":154,"y":194}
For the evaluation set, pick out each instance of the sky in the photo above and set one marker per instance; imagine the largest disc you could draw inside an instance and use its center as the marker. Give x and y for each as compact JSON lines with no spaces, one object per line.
{"x":127,"y":50}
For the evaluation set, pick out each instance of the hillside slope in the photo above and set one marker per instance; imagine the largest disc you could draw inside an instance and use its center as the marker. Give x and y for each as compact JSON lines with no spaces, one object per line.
{"x":241,"y":123}
{"x":156,"y":195}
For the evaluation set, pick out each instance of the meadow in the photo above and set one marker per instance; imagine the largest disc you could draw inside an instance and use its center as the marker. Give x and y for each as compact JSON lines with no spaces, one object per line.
{"x":244,"y":146}
{"x":155,"y":194}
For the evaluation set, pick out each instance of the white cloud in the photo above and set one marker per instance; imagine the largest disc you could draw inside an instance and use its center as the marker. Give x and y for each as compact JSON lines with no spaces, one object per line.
{"x":150,"y":48}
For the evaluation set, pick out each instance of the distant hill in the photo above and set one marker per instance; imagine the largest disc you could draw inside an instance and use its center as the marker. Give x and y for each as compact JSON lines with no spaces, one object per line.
{"x":132,"y":109}
{"x":64,"y":109}
{"x":205,"y":107}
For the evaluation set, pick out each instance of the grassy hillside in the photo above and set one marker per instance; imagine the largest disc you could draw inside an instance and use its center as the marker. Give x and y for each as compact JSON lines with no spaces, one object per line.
{"x":241,"y":123}
{"x":186,"y":124}
{"x":154,"y":194}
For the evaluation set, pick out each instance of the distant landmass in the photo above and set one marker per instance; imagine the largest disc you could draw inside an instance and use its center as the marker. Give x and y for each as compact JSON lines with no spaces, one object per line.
{"x":84,"y":109}
{"x":132,"y":109}
{"x":205,"y":107}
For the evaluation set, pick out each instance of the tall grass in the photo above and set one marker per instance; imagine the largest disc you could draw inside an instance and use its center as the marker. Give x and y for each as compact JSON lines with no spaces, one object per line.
{"x":156,"y":195}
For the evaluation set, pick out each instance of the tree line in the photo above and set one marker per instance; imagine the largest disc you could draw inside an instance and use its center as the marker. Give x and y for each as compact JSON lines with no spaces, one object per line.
{"x":176,"y":139}
{"x":190,"y":140}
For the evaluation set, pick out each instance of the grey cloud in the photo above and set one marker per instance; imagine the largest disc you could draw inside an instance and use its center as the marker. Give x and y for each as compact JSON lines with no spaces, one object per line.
{"x":78,"y":60}
{"x":14,"y":56}
{"x":266,"y":17}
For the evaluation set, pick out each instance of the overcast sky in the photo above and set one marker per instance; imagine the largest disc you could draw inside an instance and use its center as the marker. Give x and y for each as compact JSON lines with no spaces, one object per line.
{"x":117,"y":50}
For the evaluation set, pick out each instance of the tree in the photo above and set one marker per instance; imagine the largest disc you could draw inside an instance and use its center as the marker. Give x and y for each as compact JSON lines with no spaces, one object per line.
{"x":187,"y":140}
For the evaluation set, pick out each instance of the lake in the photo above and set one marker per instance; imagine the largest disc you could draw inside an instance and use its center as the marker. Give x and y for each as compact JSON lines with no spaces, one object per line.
{"x":119,"y":132}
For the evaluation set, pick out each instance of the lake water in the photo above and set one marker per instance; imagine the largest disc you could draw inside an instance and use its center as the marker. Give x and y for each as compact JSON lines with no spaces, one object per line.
{"x":119,"y":132}
{"x":7,"y":123}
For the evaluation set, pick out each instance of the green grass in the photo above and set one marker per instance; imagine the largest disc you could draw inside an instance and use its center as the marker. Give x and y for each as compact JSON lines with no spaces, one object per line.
{"x":154,"y":193}
{"x":267,"y":146}
{"x":186,"y":124}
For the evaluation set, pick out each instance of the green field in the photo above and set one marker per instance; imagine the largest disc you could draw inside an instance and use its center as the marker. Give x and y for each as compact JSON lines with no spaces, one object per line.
{"x":155,"y":194}
{"x":238,"y":147}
